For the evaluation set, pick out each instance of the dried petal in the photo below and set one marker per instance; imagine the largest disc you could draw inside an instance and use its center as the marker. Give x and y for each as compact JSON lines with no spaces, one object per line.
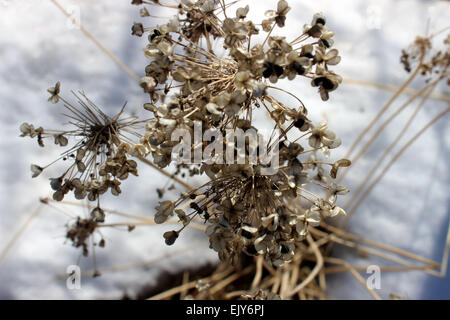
{"x":98,"y":214}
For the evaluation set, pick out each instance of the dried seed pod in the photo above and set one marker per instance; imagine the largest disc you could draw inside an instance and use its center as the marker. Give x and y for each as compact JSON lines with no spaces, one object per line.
{"x":170,"y":237}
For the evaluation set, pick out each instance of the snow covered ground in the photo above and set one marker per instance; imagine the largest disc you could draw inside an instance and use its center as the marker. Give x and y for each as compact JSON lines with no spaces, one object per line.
{"x":409,"y":209}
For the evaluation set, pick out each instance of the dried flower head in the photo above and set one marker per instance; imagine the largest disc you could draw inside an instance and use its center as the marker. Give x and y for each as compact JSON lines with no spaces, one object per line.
{"x":81,"y":231}
{"x":431,"y":63}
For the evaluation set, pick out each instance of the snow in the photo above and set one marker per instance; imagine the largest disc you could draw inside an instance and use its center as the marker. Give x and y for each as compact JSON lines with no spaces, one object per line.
{"x":408,"y":209}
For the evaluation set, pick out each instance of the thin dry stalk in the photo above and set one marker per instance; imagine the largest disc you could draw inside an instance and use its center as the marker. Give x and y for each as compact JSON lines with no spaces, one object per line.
{"x":385,"y":153}
{"x":258,"y":273}
{"x":164,"y":172}
{"x":386,"y":106}
{"x":96,"y":42}
{"x":344,"y":234}
{"x":367,"y":250}
{"x":355,"y":274}
{"x":444,"y":262}
{"x":333,"y":270}
{"x":222,"y":284}
{"x":89,"y":206}
{"x":190,"y":285}
{"x":144,"y":221}
{"x":126,"y":267}
{"x":425,"y":90}
{"x":409,"y":91}
{"x":184,"y":281}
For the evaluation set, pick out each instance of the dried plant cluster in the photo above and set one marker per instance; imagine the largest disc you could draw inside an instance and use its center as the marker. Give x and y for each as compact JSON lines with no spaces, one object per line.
{"x":209,"y":68}
{"x":98,"y":159}
{"x":436,"y":64}
{"x":99,"y":156}
{"x":248,"y":211}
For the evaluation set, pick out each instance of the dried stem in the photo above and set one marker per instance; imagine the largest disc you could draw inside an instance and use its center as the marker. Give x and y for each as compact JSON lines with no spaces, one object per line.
{"x":395,"y":157}
{"x":366,"y":179}
{"x":19,"y":232}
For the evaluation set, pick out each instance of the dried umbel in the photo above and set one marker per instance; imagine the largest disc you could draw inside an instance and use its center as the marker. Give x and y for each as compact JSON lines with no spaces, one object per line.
{"x":256,"y":207}
{"x":249,"y":210}
{"x":221,"y":89}
{"x":98,"y":159}
{"x":81,"y":231}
